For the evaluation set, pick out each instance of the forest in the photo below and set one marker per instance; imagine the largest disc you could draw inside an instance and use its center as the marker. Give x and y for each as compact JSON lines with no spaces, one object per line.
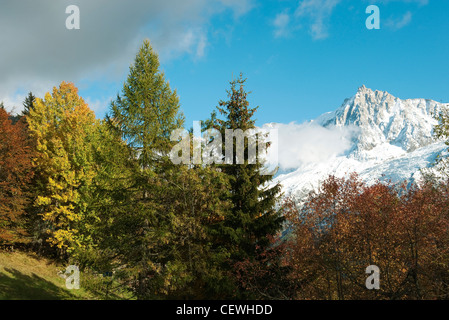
{"x":104,"y":195}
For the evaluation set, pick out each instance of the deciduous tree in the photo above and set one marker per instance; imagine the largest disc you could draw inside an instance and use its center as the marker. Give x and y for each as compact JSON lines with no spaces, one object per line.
{"x":64,"y":129}
{"x":16,"y":172}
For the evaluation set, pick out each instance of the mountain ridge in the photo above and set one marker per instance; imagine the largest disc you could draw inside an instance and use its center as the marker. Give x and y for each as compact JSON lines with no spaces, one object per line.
{"x":392,"y":141}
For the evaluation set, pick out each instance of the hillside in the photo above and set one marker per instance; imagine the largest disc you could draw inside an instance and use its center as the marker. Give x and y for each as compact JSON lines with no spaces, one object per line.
{"x":25,"y":276}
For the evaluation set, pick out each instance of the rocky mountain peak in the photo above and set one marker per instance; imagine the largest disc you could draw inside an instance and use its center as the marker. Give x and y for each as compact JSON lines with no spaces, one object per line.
{"x":390,"y":139}
{"x":385,"y":119}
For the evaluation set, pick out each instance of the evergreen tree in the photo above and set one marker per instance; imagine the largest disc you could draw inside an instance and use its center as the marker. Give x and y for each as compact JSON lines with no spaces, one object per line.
{"x":441,"y":131}
{"x":145,"y":115}
{"x":28,"y":104}
{"x":148,"y":110}
{"x":252,"y":219}
{"x":110,"y":201}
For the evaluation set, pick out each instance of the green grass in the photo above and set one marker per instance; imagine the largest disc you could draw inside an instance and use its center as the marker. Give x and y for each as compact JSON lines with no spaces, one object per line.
{"x":25,"y":276}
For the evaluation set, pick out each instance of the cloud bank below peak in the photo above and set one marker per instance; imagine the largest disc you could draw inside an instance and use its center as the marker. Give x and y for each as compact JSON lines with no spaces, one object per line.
{"x":306,"y":143}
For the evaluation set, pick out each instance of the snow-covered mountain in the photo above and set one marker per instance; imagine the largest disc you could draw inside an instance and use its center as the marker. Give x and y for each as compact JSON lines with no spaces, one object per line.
{"x":391,"y":140}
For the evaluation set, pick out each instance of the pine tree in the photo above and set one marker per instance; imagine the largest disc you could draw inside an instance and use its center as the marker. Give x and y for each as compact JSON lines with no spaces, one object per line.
{"x":247,"y":227}
{"x":28,"y":104}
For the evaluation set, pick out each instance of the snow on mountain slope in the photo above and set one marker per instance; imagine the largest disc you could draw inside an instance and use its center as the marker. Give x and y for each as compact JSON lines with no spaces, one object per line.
{"x":393,"y":141}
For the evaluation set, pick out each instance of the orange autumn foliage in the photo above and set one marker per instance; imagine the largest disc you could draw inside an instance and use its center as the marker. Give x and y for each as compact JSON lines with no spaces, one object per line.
{"x":16,"y":172}
{"x":347,"y":226}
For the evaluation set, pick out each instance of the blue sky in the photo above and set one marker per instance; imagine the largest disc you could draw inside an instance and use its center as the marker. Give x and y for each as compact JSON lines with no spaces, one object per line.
{"x":301,"y":58}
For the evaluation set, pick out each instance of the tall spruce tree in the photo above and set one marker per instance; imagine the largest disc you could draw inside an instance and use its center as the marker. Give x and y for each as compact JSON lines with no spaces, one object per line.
{"x":28,"y":104}
{"x":253,"y":218}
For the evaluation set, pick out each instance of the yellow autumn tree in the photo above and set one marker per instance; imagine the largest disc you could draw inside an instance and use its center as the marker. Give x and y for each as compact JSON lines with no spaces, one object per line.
{"x":64,"y":129}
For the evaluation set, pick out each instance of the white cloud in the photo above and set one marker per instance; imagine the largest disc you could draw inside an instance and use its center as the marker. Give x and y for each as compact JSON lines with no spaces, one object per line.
{"x":202,"y":44}
{"x":312,"y":15}
{"x":38,"y":52}
{"x":315,"y":14}
{"x":301,"y":144}
{"x":400,"y":23}
{"x":99,"y":105}
{"x":239,"y":7}
{"x":419,"y":2}
{"x":281,"y":23}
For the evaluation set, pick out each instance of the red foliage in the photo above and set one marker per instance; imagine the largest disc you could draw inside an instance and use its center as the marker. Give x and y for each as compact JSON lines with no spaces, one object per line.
{"x":348,"y":226}
{"x":267,"y":275}
{"x":15,"y":175}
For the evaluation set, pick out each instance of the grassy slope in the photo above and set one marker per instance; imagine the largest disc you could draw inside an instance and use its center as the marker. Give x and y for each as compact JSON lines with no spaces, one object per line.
{"x":25,"y":276}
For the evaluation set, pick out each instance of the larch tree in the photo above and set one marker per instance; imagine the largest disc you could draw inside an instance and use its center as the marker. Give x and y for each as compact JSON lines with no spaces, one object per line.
{"x":148,"y":110}
{"x":145,"y":114}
